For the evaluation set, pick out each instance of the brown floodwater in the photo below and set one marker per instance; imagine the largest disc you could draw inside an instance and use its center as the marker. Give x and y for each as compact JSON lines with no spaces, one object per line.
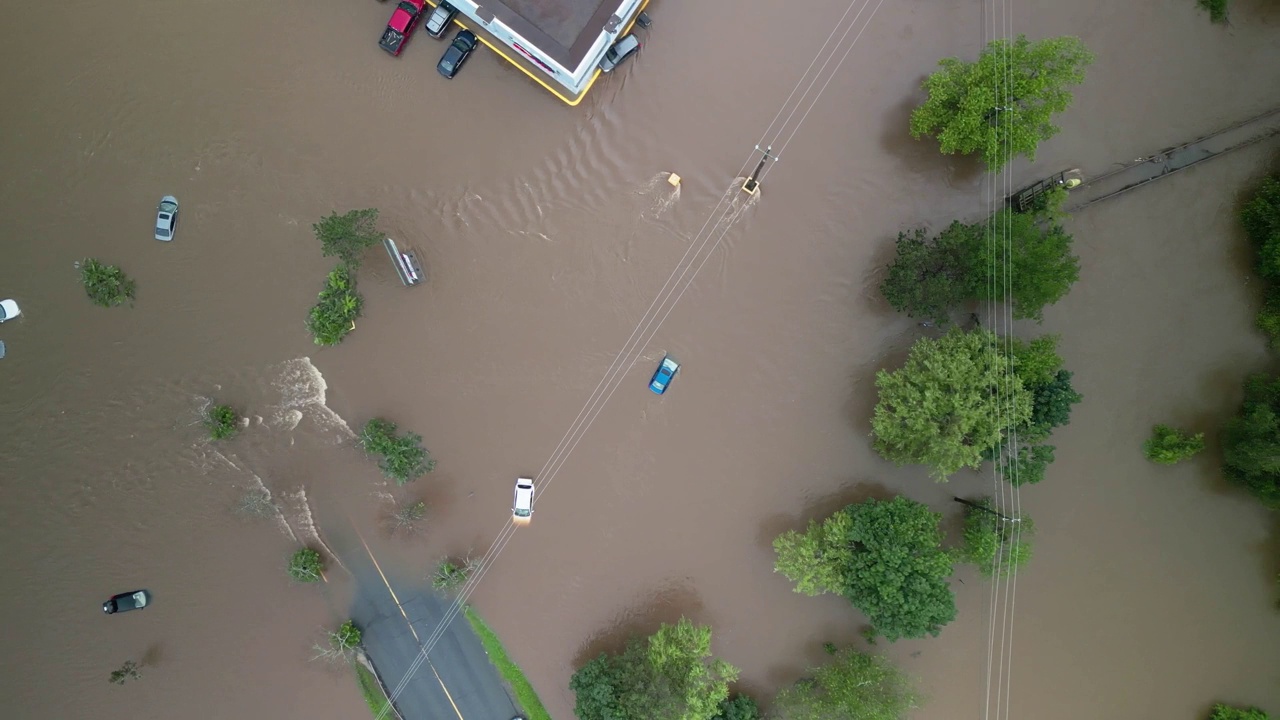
{"x":547,"y":231}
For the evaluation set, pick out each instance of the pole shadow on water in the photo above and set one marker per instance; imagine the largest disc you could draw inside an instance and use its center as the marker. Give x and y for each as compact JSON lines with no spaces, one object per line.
{"x":666,"y":606}
{"x":852,"y":492}
{"x":922,"y":156}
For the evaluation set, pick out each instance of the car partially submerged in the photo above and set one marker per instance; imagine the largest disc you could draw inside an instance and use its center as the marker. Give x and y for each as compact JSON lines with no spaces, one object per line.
{"x":8,"y":310}
{"x":166,"y":218}
{"x":404,"y":19}
{"x":439,"y":19}
{"x":667,"y":369}
{"x":626,"y":46}
{"x":522,"y":506}
{"x":124,"y":602}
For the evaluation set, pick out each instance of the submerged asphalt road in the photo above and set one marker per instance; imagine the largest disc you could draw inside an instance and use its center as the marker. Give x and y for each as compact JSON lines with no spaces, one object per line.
{"x":398,"y":617}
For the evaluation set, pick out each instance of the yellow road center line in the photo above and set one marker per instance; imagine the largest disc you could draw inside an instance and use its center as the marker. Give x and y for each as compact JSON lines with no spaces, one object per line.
{"x":446,"y":690}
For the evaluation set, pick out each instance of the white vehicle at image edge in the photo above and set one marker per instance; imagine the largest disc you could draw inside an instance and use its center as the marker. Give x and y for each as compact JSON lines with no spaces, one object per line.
{"x":166,"y":218}
{"x":8,"y":310}
{"x":522,"y":507}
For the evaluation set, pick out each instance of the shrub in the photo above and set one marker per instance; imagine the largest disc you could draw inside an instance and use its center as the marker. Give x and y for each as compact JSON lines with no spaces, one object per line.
{"x":128,"y":671}
{"x":106,"y":285}
{"x":334,"y":314}
{"x":223,"y":422}
{"x":403,"y":458}
{"x":406,"y":518}
{"x":449,"y":575}
{"x":347,"y":637}
{"x":1217,"y":9}
{"x":348,"y":235}
{"x":306,"y":565}
{"x":1169,"y":445}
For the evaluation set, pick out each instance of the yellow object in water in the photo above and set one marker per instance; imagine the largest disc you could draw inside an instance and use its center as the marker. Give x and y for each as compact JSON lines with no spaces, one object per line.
{"x":674,"y":179}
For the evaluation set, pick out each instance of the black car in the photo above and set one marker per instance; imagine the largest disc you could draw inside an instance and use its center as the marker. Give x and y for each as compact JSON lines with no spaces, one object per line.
{"x":439,"y":19}
{"x":459,"y":50}
{"x":124,"y":602}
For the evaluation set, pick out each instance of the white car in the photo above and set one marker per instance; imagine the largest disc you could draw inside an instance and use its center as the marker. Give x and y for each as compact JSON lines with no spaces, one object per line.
{"x":8,"y":310}
{"x":166,"y":218}
{"x":522,"y":508}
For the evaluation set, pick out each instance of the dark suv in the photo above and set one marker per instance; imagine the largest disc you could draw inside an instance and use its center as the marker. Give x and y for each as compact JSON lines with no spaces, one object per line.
{"x":459,"y":50}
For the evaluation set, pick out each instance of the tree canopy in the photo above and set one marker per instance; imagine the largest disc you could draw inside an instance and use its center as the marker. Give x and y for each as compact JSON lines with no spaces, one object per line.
{"x":348,"y":235}
{"x":930,"y":276}
{"x":1002,"y":105}
{"x":953,"y":400}
{"x":884,"y":557}
{"x":994,"y":545}
{"x":1251,"y":441}
{"x":670,"y":674}
{"x":1169,"y":445}
{"x":1261,"y":220}
{"x":1226,"y":712}
{"x":1031,"y":253}
{"x":853,"y":686}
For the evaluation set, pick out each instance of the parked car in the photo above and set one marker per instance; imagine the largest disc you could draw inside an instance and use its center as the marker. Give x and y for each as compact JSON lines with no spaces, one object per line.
{"x":124,"y":602}
{"x":667,"y":369}
{"x":626,"y":46}
{"x":401,"y":25}
{"x":166,"y":218}
{"x":8,"y":310}
{"x":439,"y":19}
{"x":459,"y":50}
{"x":522,"y":507}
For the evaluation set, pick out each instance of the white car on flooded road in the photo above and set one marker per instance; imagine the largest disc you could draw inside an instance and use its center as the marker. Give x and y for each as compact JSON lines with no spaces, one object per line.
{"x":166,"y":218}
{"x":8,"y":310}
{"x":522,"y":507}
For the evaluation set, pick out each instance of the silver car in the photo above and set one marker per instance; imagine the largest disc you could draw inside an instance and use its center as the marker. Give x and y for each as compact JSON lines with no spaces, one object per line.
{"x":621,"y":50}
{"x":166,"y":218}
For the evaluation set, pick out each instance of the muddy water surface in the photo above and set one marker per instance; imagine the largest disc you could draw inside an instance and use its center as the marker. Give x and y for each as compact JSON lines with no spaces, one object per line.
{"x":547,"y":232}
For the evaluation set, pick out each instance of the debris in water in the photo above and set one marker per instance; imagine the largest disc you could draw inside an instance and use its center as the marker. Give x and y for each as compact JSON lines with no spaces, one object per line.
{"x":674,"y":180}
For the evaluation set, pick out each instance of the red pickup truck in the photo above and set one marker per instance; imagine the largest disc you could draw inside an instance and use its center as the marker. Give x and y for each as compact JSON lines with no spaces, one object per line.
{"x":402,"y":24}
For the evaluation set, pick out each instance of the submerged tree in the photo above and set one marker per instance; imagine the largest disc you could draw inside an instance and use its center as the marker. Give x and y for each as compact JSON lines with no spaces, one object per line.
{"x":670,"y":674}
{"x":1002,"y":105}
{"x":1251,"y":441}
{"x":1227,"y":712}
{"x":128,"y":671}
{"x":306,"y":565}
{"x":222,"y":421}
{"x":349,"y":235}
{"x":853,"y":686}
{"x":997,"y":546}
{"x":884,"y":557}
{"x":1261,"y":220}
{"x":450,"y":575}
{"x":339,"y":644}
{"x":1032,"y":261}
{"x":1168,"y":445}
{"x":106,"y":285}
{"x":336,"y":309}
{"x":931,"y":276}
{"x":403,"y":457}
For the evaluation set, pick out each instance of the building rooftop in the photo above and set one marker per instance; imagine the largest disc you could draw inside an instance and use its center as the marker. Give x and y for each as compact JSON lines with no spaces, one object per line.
{"x":563,"y":29}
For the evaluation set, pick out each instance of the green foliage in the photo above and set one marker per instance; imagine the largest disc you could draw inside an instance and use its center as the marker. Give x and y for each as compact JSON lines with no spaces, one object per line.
{"x":1168,"y":445}
{"x":931,"y":276}
{"x":1032,"y":255}
{"x":1261,"y":220}
{"x":1268,"y":320}
{"x":670,"y":674}
{"x":106,"y":285}
{"x":1002,"y":105}
{"x":884,"y":557}
{"x":1028,"y":465}
{"x":995,"y":545}
{"x":1051,"y":405}
{"x":406,"y":518}
{"x":403,"y":458}
{"x":1251,"y":441}
{"x":347,"y":637}
{"x":128,"y":671}
{"x":374,"y":697}
{"x":853,"y":686}
{"x":738,"y":707}
{"x":1036,"y":361}
{"x":1217,"y":9}
{"x":939,"y":409}
{"x":348,"y":236}
{"x":450,"y":575}
{"x":334,"y":314}
{"x":526,"y":697}
{"x":306,"y":565}
{"x":223,"y":422}
{"x":1226,"y":712}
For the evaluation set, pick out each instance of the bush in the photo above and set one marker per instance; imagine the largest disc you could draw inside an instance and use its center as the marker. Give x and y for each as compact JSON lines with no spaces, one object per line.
{"x":223,"y":422}
{"x":995,"y":545}
{"x":403,"y":458}
{"x":450,"y":576}
{"x":1169,"y":445}
{"x":348,"y":236}
{"x":334,"y":314}
{"x":406,"y":518}
{"x":128,"y":671}
{"x":347,"y":636}
{"x":106,"y":285}
{"x":1251,"y":441}
{"x":1217,"y":9}
{"x":306,"y":565}
{"x":1226,"y":712}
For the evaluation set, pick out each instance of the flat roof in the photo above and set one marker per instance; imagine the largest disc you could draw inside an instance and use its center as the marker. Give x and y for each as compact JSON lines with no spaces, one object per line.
{"x":563,"y":29}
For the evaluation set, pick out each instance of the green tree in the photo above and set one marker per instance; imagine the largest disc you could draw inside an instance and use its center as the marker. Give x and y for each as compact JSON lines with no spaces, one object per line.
{"x":853,"y":686}
{"x":403,"y":458}
{"x":106,"y":285}
{"x":940,"y":409}
{"x":1251,"y":441}
{"x":1027,"y":465}
{"x":1261,"y":220}
{"x":128,"y":671}
{"x":1217,"y":10}
{"x":335,"y":312}
{"x":1226,"y":712}
{"x":306,"y":565}
{"x":995,"y":545}
{"x":1051,"y":405}
{"x":1003,"y":104}
{"x":670,"y":674}
{"x":929,"y":277}
{"x":348,"y":636}
{"x":222,"y":421}
{"x":884,"y":557}
{"x":1032,"y":256}
{"x":738,"y":707}
{"x":1168,"y":445}
{"x":347,"y":236}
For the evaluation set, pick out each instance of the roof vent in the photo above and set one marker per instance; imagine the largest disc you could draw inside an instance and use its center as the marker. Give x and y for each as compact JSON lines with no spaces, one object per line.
{"x":613,"y":24}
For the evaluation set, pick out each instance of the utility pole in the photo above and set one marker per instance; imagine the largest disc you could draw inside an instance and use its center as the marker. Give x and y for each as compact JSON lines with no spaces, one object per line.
{"x":752,"y":185}
{"x":976,"y":506}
